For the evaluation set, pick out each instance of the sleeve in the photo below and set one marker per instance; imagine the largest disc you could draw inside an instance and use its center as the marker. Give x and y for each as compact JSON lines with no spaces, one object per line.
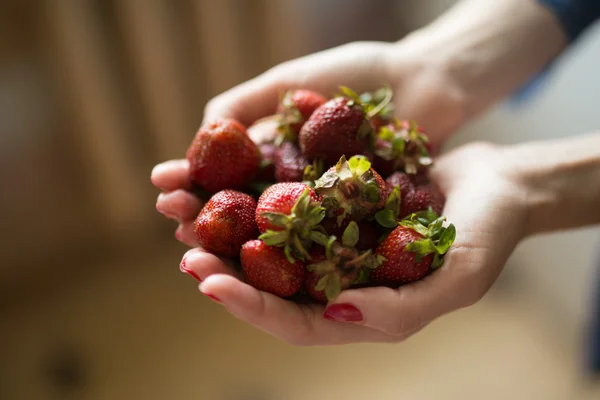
{"x":574,"y":15}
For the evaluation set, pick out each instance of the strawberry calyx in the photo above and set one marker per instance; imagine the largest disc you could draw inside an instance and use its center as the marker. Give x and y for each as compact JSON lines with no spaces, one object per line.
{"x":404,"y":143}
{"x":350,"y":188}
{"x":378,"y":103}
{"x":344,"y":264}
{"x":437,"y":239}
{"x":289,"y":116}
{"x":299,"y":229}
{"x":388,"y":217}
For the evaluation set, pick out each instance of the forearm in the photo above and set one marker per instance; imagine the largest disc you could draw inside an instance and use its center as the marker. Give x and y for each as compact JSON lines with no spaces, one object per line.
{"x":489,"y":48}
{"x":561,"y":181}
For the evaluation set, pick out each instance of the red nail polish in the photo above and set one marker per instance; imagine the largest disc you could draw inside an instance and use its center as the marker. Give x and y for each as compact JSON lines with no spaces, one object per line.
{"x":182,"y":268}
{"x":212,"y":296}
{"x":343,"y":312}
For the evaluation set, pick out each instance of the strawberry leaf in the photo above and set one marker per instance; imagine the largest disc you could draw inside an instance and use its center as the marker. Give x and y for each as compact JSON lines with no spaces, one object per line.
{"x":438,"y":261}
{"x":446,"y":239}
{"x":350,"y":235}
{"x":274,"y":238}
{"x":277,"y":219}
{"x":386,"y":218}
{"x":351,"y":94}
{"x":322,"y":283}
{"x":394,"y":201}
{"x":371,"y":192}
{"x":327,"y":180}
{"x":421,"y":247}
{"x":287,"y":250}
{"x":334,"y":286}
{"x":319,"y":238}
{"x":359,"y":165}
{"x":328,"y":247}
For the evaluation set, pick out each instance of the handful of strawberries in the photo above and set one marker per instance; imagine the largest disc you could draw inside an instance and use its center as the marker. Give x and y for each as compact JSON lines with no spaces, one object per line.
{"x":325,"y":195}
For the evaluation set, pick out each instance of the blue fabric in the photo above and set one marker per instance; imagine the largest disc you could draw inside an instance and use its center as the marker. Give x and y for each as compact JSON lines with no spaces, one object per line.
{"x":574,"y":15}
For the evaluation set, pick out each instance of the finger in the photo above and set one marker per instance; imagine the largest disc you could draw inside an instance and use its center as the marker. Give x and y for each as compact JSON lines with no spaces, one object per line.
{"x":467,"y":273}
{"x":185,"y":233}
{"x":294,"y":323}
{"x":201,"y":264}
{"x":179,"y":205}
{"x":171,"y":175}
{"x":323,"y":72}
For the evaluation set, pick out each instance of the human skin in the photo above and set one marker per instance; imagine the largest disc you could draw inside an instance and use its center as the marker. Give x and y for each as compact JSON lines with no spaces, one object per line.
{"x":442,"y":75}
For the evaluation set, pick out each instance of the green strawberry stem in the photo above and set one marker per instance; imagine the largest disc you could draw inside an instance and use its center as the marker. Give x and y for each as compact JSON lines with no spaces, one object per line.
{"x":298,"y":229}
{"x":437,"y":239}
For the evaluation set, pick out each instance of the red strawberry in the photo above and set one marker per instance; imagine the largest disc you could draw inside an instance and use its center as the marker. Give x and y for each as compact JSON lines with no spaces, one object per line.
{"x":417,"y":193}
{"x":267,"y":164}
{"x":295,"y":107}
{"x":289,"y":215}
{"x":289,"y":163}
{"x":222,"y":156}
{"x":423,"y":197}
{"x":340,"y":265}
{"x":412,"y":249}
{"x":265,"y":130}
{"x":368,"y":236}
{"x":402,"y":145}
{"x":267,"y":268}
{"x":351,"y":190}
{"x":226,"y":222}
{"x":339,"y":127}
{"x":311,"y":281}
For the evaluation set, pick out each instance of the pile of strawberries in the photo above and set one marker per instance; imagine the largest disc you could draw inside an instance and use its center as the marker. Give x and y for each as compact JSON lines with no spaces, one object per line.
{"x":324,"y":195}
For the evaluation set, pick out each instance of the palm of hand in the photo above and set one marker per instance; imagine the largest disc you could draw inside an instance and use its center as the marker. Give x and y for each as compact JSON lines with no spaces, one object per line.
{"x":484,"y":204}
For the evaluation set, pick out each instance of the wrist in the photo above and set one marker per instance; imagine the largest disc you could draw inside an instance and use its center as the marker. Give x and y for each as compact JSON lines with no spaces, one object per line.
{"x":425,"y":88}
{"x":560,"y":180}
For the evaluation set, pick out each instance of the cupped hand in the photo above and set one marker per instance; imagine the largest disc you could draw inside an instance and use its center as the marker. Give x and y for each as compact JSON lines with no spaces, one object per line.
{"x":484,"y":202}
{"x":422,"y":91}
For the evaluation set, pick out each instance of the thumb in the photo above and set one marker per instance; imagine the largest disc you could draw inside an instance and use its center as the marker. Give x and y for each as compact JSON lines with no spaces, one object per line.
{"x":406,"y":310}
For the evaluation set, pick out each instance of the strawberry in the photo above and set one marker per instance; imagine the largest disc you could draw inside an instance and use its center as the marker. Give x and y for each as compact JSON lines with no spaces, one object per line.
{"x":267,"y":164}
{"x":295,"y":107}
{"x":402,"y":145}
{"x":384,"y":116}
{"x":412,"y":249}
{"x":265,"y":130}
{"x":417,"y":192}
{"x":222,"y":156}
{"x":351,"y":190}
{"x":226,"y":222}
{"x":340,"y":265}
{"x":312,"y":279}
{"x":368,"y":233}
{"x":289,"y":163}
{"x":423,"y":197}
{"x":288,"y":215}
{"x":267,"y":268}
{"x":341,"y":127}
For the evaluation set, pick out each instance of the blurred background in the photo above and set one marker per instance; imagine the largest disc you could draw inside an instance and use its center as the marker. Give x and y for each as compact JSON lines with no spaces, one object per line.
{"x":93,"y":93}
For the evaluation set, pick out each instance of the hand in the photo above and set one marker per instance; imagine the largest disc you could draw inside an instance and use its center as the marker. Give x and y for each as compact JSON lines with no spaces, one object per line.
{"x":422,"y":91}
{"x":484,"y":202}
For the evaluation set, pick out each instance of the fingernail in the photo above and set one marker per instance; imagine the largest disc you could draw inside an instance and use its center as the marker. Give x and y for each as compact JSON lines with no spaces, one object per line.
{"x":183,"y":268}
{"x":343,"y":312}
